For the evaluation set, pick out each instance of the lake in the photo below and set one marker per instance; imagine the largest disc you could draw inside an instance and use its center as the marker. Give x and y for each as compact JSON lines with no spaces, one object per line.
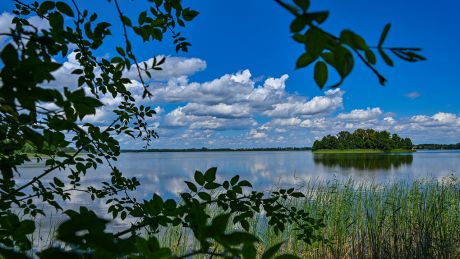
{"x":164,"y":173}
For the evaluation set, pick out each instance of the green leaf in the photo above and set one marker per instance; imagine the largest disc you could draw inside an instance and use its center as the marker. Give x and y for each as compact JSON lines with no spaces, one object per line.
{"x":27,"y":227}
{"x":271,"y":251}
{"x":219,"y":223}
{"x":385,"y":57}
{"x":315,"y":42}
{"x":45,"y":7}
{"x":300,"y":38}
{"x":304,"y":60}
{"x":56,"y":21}
{"x":245,"y":225}
{"x":210,"y":174}
{"x":204,"y":196}
{"x":321,"y":74}
{"x":384,"y":34}
{"x":211,"y":186}
{"x":10,"y":55}
{"x":142,"y":17}
{"x":244,"y":183}
{"x":342,"y":60}
{"x":353,"y":40}
{"x":77,"y":71}
{"x":237,"y":238}
{"x":297,"y":195}
{"x":189,"y":15}
{"x":319,"y":17}
{"x":191,"y":186}
{"x":126,"y":21}
{"x":199,"y":178}
{"x":299,"y":23}
{"x":249,"y":251}
{"x":58,"y":182}
{"x":170,"y":204}
{"x":234,"y":179}
{"x":121,"y":51}
{"x":65,"y":9}
{"x":370,"y":56}
{"x":303,"y":4}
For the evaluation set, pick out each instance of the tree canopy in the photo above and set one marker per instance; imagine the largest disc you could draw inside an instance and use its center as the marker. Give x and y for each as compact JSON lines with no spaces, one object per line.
{"x":363,"y":139}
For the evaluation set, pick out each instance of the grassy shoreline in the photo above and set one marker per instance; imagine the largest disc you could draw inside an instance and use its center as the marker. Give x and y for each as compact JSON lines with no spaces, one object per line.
{"x":400,"y":220}
{"x":360,"y":151}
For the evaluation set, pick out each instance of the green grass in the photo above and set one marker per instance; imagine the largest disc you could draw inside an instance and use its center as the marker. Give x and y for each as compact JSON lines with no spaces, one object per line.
{"x":418,"y":220}
{"x":359,"y":151}
{"x":402,"y":150}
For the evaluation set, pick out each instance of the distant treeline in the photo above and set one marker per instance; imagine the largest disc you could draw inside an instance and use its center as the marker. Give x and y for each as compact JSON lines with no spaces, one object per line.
{"x":437,"y":146}
{"x":363,"y":139}
{"x":218,"y":149}
{"x":29,"y":148}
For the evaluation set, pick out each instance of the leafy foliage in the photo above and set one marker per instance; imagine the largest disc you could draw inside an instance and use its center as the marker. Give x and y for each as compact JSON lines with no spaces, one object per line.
{"x":50,"y":121}
{"x":328,"y":50}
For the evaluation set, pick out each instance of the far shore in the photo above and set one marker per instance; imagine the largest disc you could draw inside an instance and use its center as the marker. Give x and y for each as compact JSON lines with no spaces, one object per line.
{"x":216,"y":149}
{"x":361,"y":151}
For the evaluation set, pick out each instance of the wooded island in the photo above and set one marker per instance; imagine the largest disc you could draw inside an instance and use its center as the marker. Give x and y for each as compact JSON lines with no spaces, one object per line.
{"x":363,"y":141}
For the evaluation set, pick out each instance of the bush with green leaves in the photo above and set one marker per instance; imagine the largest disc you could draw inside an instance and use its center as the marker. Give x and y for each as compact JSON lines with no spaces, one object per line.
{"x":29,"y":58}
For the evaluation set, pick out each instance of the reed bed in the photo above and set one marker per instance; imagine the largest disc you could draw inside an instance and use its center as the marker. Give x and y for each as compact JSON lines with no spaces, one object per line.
{"x":400,"y":220}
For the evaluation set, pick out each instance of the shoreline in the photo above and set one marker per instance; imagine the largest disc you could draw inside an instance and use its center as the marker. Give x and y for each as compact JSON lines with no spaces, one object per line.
{"x":360,"y":151}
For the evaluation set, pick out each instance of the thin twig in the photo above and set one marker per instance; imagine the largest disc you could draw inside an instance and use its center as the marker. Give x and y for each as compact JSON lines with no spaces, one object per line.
{"x":129,"y":49}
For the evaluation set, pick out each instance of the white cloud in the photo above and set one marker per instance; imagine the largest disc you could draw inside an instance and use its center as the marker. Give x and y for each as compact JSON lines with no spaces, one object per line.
{"x":389,"y":120}
{"x":237,"y":110}
{"x":317,"y":123}
{"x":317,"y":105}
{"x":6,"y":24}
{"x":438,"y":119}
{"x":220,"y":110}
{"x":361,"y":115}
{"x":255,"y":134}
{"x":172,"y":68}
{"x":286,"y":122}
{"x":413,"y":95}
{"x":236,"y":101}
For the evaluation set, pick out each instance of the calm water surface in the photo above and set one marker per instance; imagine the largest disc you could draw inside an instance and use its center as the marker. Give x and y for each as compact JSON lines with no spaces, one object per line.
{"x":164,"y":173}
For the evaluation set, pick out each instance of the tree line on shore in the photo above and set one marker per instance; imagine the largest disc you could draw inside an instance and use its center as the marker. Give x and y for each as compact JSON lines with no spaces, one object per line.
{"x":363,"y":139}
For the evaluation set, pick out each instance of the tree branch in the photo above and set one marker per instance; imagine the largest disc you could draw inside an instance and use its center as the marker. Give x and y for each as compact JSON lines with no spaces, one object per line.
{"x":129,"y":50}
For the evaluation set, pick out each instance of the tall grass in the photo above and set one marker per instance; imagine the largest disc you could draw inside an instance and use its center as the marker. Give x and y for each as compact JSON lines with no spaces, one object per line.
{"x":417,"y":220}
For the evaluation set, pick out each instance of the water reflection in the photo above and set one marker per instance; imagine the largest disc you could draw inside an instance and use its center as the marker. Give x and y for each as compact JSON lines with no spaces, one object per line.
{"x":164,"y":173}
{"x":367,"y":162}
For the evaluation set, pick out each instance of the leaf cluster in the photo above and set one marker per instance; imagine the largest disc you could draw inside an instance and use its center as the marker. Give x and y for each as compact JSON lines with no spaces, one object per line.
{"x":326,"y":50}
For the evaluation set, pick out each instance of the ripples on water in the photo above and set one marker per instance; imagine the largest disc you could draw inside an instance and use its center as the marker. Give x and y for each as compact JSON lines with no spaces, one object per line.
{"x":164,"y":173}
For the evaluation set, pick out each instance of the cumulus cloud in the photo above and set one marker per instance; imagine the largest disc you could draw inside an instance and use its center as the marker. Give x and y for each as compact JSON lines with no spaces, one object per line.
{"x":438,"y":119}
{"x":317,"y":105}
{"x":173,"y":67}
{"x":361,"y":115}
{"x":286,"y":122}
{"x":228,"y":89}
{"x":237,"y":101}
{"x":6,"y":24}
{"x":220,"y":110}
{"x":237,"y":110}
{"x":255,"y":134}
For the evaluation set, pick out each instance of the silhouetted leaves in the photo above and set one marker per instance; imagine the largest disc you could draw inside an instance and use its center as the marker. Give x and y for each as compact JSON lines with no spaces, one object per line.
{"x":337,"y":51}
{"x":321,"y":74}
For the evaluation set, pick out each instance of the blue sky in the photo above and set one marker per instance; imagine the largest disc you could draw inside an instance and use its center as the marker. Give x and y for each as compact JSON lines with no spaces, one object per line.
{"x":232,"y":39}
